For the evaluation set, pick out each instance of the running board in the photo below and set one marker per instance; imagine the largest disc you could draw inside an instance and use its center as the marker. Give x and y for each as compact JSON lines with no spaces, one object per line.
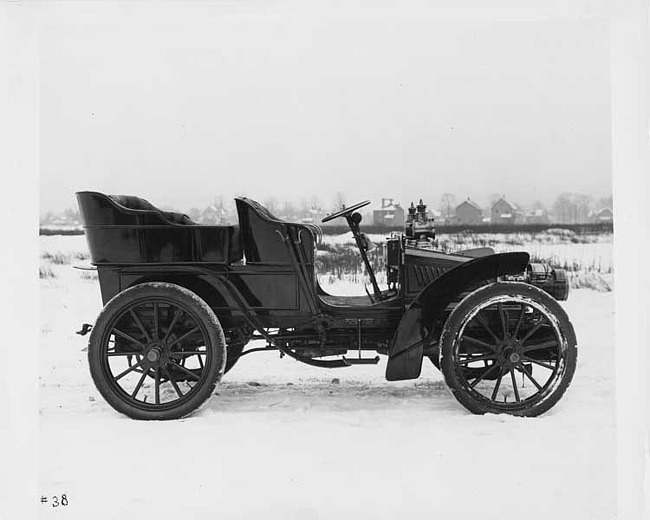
{"x":361,"y":361}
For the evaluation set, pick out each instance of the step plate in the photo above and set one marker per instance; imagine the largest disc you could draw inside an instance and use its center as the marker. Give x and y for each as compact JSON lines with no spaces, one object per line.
{"x":362,"y":361}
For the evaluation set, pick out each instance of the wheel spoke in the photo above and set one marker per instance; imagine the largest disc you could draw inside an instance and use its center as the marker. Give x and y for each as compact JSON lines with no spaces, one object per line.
{"x":177,"y":340}
{"x":514,"y":385}
{"x":540,"y":346}
{"x":172,"y":379}
{"x":157,"y":386}
{"x":127,"y":337}
{"x":171,"y":325}
{"x":496,"y":388}
{"x":481,"y":319}
{"x":188,"y":372}
{"x":533,"y":330}
{"x":114,"y":353}
{"x":128,"y":370}
{"x":504,"y":320}
{"x":519,"y":321}
{"x":123,"y":353}
{"x":485,"y":373}
{"x":139,"y":385}
{"x":523,"y":368}
{"x":477,"y":358}
{"x":550,"y":367}
{"x":188,"y":353}
{"x":155,"y":320}
{"x":136,"y":318}
{"x":480,"y":343}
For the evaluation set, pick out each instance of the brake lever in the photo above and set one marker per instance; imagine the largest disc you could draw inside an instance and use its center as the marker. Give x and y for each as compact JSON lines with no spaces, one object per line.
{"x":365,"y":287}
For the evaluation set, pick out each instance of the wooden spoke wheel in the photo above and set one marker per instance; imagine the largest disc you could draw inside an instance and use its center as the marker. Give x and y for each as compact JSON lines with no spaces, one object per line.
{"x":508,"y":347}
{"x":156,"y":351}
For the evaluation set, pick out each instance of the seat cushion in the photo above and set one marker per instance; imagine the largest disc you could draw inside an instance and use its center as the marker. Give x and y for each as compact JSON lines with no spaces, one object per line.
{"x":131,"y":202}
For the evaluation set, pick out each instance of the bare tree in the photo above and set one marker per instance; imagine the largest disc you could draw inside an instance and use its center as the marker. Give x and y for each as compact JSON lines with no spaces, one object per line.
{"x":288,"y":210}
{"x":583,"y":206}
{"x":218,"y":203}
{"x":447,"y":203}
{"x":315,"y":202}
{"x":605,"y":202}
{"x":72,"y":215}
{"x":303,"y":208}
{"x":194,"y":214}
{"x":47,"y":218}
{"x":271,"y":204}
{"x":339,"y":201}
{"x":572,"y":208}
{"x":563,"y":209}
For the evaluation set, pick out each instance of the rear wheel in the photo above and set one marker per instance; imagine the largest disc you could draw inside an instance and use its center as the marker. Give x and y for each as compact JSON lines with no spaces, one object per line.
{"x":156,"y":351}
{"x":509,"y":348}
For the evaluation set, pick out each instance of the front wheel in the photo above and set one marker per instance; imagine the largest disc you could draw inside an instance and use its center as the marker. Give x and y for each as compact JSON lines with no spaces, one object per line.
{"x":508,"y":347}
{"x":156,"y":351}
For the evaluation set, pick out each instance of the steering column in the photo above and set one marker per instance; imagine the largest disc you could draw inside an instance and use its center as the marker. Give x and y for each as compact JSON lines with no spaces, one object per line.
{"x":354,"y":219}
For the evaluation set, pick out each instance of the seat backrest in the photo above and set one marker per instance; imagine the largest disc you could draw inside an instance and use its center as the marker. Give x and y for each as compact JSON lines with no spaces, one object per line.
{"x":262,"y":234}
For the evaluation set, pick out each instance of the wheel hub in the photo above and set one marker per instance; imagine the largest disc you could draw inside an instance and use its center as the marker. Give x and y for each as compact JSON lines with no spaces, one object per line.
{"x":510,"y":355}
{"x":154,"y":354}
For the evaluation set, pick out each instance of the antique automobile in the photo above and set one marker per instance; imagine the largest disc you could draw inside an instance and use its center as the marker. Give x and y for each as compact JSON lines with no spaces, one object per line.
{"x":184,"y":302}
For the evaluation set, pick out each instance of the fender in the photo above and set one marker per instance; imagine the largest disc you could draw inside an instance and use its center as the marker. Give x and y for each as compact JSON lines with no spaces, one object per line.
{"x":416,"y":327}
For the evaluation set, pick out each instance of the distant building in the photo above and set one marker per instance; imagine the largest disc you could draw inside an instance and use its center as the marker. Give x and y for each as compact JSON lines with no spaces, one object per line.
{"x":468,"y":212}
{"x":391,"y":214}
{"x":538,"y":216}
{"x":504,"y":212}
{"x":603,"y":215}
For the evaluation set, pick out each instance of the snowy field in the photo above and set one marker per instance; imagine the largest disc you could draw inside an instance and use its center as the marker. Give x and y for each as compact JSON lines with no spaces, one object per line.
{"x":284,"y":440}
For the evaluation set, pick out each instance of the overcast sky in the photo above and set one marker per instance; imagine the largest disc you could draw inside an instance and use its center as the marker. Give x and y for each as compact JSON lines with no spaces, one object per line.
{"x":287,"y":107}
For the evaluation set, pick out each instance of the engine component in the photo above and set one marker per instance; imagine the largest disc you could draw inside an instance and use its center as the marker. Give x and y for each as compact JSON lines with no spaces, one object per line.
{"x":393,"y":261}
{"x":419,"y":226}
{"x":554,"y":281}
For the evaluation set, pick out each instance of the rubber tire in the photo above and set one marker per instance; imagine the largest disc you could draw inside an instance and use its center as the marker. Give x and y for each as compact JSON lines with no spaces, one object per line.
{"x":127,"y":298}
{"x":451,"y":329}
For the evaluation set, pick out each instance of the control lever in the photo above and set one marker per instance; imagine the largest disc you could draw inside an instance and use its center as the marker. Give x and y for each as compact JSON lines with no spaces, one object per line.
{"x":372,"y":300}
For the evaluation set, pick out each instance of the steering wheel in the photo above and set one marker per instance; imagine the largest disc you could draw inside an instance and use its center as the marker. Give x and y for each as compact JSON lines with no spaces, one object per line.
{"x":346,"y":211}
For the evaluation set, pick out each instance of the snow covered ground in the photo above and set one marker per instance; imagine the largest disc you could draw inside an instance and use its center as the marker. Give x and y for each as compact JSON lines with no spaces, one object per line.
{"x":297,"y":444}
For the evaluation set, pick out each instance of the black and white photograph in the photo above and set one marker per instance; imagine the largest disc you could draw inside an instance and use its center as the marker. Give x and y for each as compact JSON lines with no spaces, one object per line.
{"x":326,"y":260}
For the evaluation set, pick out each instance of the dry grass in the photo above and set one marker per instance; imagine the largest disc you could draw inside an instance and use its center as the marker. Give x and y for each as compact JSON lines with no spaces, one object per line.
{"x":59,"y":258}
{"x":89,"y":276}
{"x":46,"y":273}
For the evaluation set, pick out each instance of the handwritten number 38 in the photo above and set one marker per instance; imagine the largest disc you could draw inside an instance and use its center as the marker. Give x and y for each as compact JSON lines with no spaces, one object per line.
{"x":64,"y":501}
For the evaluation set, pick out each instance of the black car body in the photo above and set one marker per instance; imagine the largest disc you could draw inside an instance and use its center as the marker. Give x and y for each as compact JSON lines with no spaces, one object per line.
{"x":258,"y":280}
